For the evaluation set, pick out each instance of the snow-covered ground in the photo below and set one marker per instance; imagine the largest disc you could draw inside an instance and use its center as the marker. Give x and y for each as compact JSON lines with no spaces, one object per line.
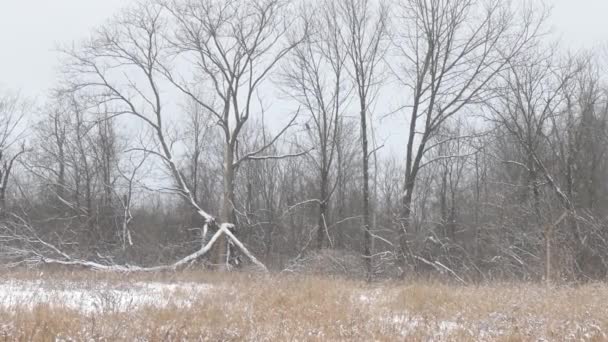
{"x":492,"y":327}
{"x":88,"y":297}
{"x":253,"y":309}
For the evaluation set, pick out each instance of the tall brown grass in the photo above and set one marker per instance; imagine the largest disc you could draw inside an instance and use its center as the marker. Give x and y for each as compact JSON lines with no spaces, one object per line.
{"x":254,"y":307}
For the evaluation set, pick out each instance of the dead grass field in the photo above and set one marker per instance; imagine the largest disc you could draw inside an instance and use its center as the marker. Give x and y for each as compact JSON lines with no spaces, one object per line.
{"x":195,"y":306}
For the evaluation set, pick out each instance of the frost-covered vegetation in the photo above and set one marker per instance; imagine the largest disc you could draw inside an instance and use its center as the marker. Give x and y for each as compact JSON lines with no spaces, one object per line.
{"x":194,"y":306}
{"x":347,"y":150}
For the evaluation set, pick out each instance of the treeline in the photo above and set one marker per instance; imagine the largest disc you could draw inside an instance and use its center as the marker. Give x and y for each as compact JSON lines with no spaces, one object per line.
{"x":257,"y":130}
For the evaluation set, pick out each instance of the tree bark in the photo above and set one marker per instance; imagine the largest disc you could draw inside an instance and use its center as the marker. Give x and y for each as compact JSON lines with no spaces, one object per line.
{"x":367,"y":237}
{"x":227,"y":208}
{"x":321,"y":220}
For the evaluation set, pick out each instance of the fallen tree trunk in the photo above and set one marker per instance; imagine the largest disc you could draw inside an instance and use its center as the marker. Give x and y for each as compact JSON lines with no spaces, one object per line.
{"x":36,"y":251}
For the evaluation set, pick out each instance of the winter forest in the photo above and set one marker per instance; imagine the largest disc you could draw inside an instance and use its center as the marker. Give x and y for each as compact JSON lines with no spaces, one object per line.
{"x":450,"y":139}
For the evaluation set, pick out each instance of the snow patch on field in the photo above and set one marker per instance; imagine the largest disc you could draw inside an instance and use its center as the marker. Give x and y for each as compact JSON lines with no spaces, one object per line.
{"x":408,"y":325}
{"x":90,"y":298}
{"x":496,"y":325}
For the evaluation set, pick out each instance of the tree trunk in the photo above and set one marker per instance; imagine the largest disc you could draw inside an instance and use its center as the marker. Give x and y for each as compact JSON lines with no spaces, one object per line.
{"x":321,"y":221}
{"x":477,"y":210}
{"x":367,"y":239}
{"x":341,"y":195}
{"x":536,"y":196}
{"x":268,"y":241}
{"x":443,"y":202}
{"x":227,"y":208}
{"x":548,"y":254}
{"x":404,"y":221}
{"x":452,"y":217}
{"x":61,"y":175}
{"x":3,"y":178}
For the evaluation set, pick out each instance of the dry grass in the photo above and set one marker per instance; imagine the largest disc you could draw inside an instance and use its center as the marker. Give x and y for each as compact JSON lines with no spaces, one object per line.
{"x":252,"y":307}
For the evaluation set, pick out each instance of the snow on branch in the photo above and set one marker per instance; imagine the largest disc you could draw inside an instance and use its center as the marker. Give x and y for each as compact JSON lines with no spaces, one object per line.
{"x":33,"y":250}
{"x":281,"y":156}
{"x":252,"y":155}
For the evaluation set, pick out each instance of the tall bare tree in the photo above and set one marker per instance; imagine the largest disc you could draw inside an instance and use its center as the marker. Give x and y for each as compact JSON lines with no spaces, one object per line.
{"x":122,"y":67}
{"x":448,"y":53}
{"x":316,"y":78}
{"x":233,"y":47}
{"x":364,"y":35}
{"x":532,"y":97}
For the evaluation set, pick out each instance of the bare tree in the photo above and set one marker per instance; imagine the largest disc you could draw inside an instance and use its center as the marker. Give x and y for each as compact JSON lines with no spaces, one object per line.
{"x":12,"y":112}
{"x":364,"y":35}
{"x":449,"y":52}
{"x":315,"y":77}
{"x":533,"y":95}
{"x":127,"y":198}
{"x":121,"y":67}
{"x":233,"y":47}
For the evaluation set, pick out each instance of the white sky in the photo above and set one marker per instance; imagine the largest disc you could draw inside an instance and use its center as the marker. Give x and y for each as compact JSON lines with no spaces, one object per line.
{"x":31,"y":29}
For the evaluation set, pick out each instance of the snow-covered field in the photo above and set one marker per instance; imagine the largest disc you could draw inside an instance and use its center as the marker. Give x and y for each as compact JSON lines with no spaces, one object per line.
{"x":92,"y":307}
{"x":88,"y":298}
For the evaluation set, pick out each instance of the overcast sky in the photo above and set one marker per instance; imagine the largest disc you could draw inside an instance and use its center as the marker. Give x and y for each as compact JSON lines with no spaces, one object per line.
{"x":30,"y":30}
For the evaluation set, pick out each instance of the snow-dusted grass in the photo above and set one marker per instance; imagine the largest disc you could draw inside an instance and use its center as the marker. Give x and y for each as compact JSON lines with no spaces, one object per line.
{"x":86,"y":306}
{"x":87,"y":298}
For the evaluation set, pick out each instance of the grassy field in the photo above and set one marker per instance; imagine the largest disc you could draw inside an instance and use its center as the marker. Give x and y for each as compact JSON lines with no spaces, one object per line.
{"x":195,"y":306}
